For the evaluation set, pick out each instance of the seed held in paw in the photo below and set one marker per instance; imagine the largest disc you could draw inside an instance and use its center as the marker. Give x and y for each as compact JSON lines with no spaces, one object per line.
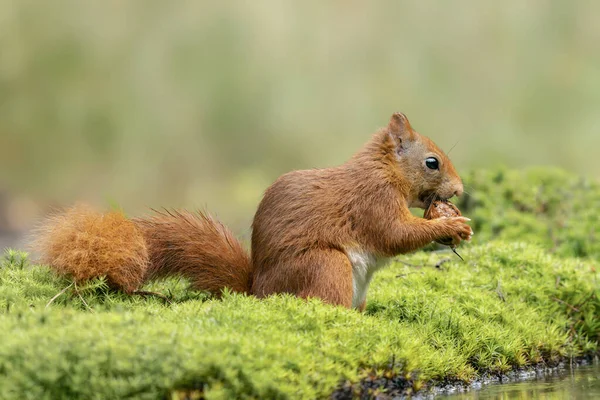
{"x":439,"y":209}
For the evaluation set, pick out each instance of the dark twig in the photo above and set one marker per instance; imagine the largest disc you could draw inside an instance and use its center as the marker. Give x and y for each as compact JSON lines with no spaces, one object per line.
{"x":566,"y":304}
{"x":146,"y":293}
{"x":456,"y":252}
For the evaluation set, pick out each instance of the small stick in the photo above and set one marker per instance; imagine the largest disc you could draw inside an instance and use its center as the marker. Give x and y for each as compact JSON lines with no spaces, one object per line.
{"x":145,"y":293}
{"x":56,"y":296}
{"x":407,"y":263}
{"x":566,"y":304}
{"x":456,"y":252}
{"x":82,"y":299}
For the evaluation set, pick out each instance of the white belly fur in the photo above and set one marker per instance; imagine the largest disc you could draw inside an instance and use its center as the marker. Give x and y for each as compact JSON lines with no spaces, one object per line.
{"x":364,"y":265}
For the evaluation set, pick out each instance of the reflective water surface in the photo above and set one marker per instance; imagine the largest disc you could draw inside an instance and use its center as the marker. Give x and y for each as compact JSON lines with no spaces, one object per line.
{"x":580,"y":383}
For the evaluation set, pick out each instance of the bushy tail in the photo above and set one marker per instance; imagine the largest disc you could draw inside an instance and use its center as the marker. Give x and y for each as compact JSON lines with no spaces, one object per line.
{"x":85,"y":244}
{"x":198,"y":247}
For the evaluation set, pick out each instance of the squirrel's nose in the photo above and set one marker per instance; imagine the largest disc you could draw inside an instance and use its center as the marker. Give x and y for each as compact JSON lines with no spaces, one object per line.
{"x":458,"y":190}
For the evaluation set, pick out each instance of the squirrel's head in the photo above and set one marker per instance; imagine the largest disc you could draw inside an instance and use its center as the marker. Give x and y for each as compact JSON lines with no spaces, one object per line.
{"x":427,"y":170}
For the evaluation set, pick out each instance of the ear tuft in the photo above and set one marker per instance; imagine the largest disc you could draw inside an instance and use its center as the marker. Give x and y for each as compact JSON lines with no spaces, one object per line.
{"x":400,"y":127}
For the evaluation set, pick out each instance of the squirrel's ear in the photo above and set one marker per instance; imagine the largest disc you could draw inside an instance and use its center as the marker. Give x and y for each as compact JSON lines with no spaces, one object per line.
{"x":400,"y":127}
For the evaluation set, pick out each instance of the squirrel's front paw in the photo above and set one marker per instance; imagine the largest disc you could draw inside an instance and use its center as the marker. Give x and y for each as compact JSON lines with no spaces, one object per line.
{"x":454,"y":230}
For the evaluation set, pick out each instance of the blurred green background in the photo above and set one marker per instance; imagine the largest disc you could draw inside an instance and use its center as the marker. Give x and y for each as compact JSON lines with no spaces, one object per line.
{"x":203,"y":104}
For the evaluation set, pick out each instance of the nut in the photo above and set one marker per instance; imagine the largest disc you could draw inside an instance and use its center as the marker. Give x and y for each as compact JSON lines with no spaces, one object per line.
{"x":439,"y":209}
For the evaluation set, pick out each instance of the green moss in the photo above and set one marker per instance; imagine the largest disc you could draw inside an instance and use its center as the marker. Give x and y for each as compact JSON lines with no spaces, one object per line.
{"x":511,"y":304}
{"x":542,"y":205}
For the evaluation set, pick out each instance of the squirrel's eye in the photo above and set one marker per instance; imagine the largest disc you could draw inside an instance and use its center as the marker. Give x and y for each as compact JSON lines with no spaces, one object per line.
{"x":432,"y":163}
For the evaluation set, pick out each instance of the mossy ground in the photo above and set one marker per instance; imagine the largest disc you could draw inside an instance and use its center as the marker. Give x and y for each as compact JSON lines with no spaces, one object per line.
{"x":528,"y":293}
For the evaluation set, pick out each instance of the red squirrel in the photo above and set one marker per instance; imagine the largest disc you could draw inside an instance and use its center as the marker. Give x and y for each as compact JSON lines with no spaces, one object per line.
{"x":319,"y":233}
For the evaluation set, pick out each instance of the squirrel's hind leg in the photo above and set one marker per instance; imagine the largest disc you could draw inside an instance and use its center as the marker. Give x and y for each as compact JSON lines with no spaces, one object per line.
{"x":327,"y":276}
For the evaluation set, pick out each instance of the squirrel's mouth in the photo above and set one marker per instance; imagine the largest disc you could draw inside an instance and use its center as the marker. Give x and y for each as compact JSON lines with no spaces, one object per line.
{"x":429,"y":197}
{"x":426,"y":198}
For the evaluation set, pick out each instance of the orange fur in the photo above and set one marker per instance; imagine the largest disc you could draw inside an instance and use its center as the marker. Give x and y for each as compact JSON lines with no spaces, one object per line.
{"x":198,"y":247}
{"x":85,"y":244}
{"x":309,"y":222}
{"x":317,"y":233}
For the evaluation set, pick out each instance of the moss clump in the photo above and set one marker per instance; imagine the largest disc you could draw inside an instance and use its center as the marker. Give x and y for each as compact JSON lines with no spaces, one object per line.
{"x":547,"y":206}
{"x":512,"y":304}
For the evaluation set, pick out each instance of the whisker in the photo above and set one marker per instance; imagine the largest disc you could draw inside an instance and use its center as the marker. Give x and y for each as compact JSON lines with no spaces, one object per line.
{"x":452,"y":148}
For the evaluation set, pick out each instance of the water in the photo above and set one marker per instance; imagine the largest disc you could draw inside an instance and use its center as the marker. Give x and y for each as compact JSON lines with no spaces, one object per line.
{"x":579,"y":383}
